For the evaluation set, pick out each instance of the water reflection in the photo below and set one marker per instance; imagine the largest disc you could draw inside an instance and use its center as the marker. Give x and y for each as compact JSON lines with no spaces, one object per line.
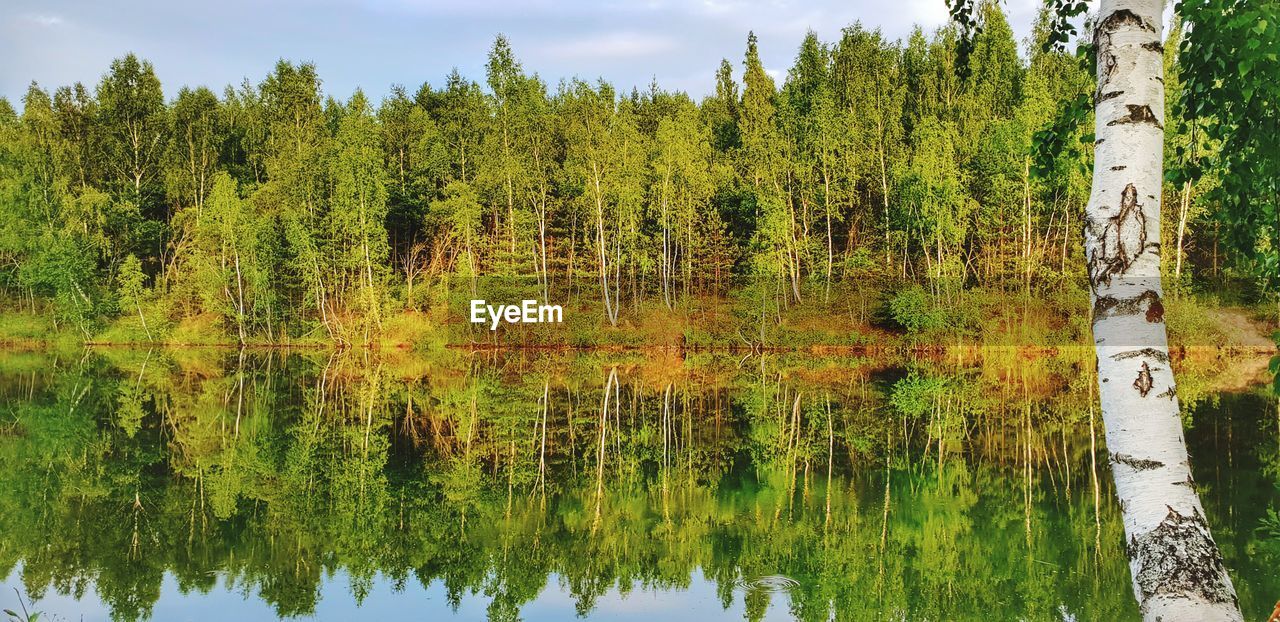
{"x":502,"y":486}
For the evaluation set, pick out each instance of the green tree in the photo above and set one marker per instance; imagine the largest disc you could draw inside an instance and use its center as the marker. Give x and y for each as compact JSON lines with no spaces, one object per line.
{"x":681,"y":188}
{"x":602,"y":160}
{"x":195,"y":149}
{"x":225,"y":263}
{"x":356,"y":235}
{"x":134,"y":122}
{"x":129,"y":279}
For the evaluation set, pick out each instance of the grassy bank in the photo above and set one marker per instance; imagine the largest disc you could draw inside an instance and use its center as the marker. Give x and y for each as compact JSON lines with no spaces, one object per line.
{"x":839,"y":321}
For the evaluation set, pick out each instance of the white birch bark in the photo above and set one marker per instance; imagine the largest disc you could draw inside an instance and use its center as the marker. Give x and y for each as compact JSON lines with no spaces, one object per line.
{"x":1177,"y":571}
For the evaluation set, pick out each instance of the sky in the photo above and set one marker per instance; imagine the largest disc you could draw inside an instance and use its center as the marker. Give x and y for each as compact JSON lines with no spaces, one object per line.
{"x":373,"y":44}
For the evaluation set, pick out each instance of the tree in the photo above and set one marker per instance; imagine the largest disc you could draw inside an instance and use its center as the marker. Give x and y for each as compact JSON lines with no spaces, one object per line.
{"x":601,"y":160}
{"x":77,"y":113}
{"x":814,"y":125}
{"x":938,"y":208}
{"x":195,"y":149}
{"x":762,"y":167}
{"x":293,"y":166}
{"x":681,"y":187}
{"x":456,"y":219}
{"x":130,"y":280}
{"x":1228,"y":65}
{"x":225,"y":264}
{"x":356,"y":234}
{"x":134,"y":125}
{"x":505,"y":164}
{"x":460,"y":111}
{"x":1177,"y":570}
{"x":867,"y":77}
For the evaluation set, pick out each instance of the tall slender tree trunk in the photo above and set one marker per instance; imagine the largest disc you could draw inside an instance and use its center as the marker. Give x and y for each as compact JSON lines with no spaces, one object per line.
{"x":142,"y":317}
{"x":1177,"y":571}
{"x":609,"y":307}
{"x":826,"y":182}
{"x":239,"y":296}
{"x":1184,"y":207}
{"x":1026,"y":226}
{"x":665,"y":268}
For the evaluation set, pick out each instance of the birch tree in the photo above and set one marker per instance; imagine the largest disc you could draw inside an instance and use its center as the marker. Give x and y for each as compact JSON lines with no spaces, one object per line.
{"x":358,"y":209}
{"x":133,"y":113}
{"x":681,"y":187}
{"x":762,"y":167}
{"x":601,"y":144}
{"x":223,"y":264}
{"x":194,"y":149}
{"x":1176,"y":568}
{"x":504,"y":169}
{"x":1177,"y":571}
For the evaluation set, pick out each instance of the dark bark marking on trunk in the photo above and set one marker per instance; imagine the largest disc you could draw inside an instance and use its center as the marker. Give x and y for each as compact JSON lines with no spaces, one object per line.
{"x":1113,"y":256}
{"x":1137,"y":464}
{"x":1111,"y":306}
{"x":1169,"y":393}
{"x":1119,"y":168}
{"x":1154,"y":46}
{"x":1147,"y":352}
{"x":1121,"y":18}
{"x":1108,"y":66}
{"x":1117,"y":20}
{"x":1179,"y":559}
{"x":1155,"y":311}
{"x":1137,"y":114}
{"x":1144,"y":383}
{"x":1108,"y":95}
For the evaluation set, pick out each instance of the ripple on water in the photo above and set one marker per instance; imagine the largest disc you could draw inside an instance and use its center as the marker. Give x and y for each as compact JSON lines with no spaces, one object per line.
{"x":773,"y":583}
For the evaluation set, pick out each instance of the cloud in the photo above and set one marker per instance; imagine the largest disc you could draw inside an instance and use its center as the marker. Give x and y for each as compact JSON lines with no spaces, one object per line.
{"x":374,"y":43}
{"x":47,"y":21}
{"x":612,"y":45}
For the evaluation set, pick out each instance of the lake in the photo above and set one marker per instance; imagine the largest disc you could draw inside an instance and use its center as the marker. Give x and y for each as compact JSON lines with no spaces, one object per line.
{"x":216,"y":484}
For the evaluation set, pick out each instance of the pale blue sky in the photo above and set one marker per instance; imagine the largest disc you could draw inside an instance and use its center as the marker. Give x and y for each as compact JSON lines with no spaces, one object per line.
{"x":376,"y":43}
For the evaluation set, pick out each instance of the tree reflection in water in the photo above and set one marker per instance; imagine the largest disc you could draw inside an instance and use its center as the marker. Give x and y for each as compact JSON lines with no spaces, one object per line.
{"x":859,"y":488}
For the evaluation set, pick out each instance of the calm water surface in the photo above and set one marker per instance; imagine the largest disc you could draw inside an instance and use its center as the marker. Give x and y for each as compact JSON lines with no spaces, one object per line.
{"x":214,"y":485}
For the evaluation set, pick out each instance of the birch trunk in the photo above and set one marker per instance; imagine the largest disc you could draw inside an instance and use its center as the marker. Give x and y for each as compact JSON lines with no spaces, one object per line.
{"x":1177,"y":571}
{"x":1185,"y":206}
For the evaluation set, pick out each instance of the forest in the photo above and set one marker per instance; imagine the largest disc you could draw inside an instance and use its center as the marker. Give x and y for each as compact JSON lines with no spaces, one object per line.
{"x":875,"y":183}
{"x":771,"y":383}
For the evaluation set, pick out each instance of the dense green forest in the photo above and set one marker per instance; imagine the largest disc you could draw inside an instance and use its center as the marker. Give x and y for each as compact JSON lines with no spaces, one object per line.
{"x":275,"y":212}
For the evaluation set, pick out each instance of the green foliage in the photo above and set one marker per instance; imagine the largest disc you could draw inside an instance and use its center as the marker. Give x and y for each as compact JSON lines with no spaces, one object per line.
{"x":916,"y":310}
{"x":1061,"y":29}
{"x":129,"y":280}
{"x":1061,"y":140}
{"x":1274,"y":365}
{"x":275,"y":212}
{"x":964,"y":14}
{"x":1228,"y":64}
{"x":285,"y":474}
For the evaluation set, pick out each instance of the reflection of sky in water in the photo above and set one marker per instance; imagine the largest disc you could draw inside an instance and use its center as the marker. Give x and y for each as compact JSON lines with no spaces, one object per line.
{"x":896,"y":532}
{"x":698,"y":602}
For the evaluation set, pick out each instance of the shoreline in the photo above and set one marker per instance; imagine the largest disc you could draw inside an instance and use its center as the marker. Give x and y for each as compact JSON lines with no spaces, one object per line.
{"x":820,"y":350}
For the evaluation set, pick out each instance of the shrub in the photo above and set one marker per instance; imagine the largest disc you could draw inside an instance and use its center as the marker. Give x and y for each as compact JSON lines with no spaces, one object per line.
{"x":916,"y":311}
